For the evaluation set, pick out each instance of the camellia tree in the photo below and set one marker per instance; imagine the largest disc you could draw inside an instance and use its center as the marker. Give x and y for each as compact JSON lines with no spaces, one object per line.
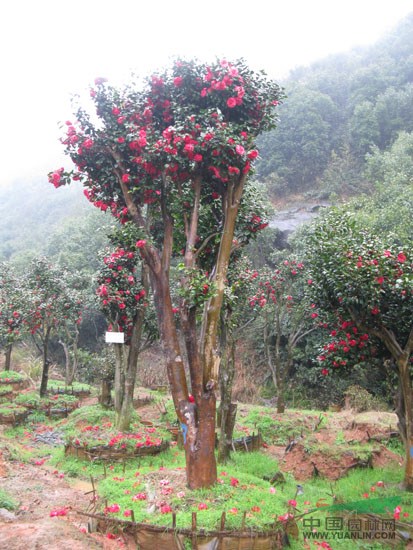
{"x":286,"y":316}
{"x":122,"y":292}
{"x":55,"y":304}
{"x":368,"y":284}
{"x":174,"y":156}
{"x":14,"y":305}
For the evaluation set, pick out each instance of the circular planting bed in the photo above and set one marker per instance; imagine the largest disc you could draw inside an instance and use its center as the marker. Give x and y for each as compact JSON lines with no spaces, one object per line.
{"x":110,"y":454}
{"x":13,"y":379}
{"x":12,"y":414}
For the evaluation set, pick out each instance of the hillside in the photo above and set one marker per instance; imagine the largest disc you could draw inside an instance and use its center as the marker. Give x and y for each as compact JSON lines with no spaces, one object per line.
{"x":337,"y":111}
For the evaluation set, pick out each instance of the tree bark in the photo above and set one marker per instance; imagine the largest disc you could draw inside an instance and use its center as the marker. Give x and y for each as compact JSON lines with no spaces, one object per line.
{"x":227,"y":410}
{"x":119,"y":377}
{"x":125,"y":414}
{"x":405,"y":407}
{"x":7,"y":357}
{"x":46,"y":363}
{"x":105,"y":398}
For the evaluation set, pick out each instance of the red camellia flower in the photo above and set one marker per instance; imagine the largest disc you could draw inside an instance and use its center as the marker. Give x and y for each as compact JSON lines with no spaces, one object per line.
{"x":112,"y":509}
{"x":58,"y":512}
{"x":253,"y":154}
{"x":165,"y":509}
{"x":234,"y":481}
{"x":401,"y":257}
{"x":231,"y":102}
{"x":178,"y":81}
{"x":125,"y":178}
{"x":140,"y":244}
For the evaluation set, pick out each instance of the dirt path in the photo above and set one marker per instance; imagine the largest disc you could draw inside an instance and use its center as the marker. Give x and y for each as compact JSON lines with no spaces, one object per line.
{"x":40,"y":491}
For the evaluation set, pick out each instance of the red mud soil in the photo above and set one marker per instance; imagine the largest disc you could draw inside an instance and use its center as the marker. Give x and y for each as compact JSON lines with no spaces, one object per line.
{"x":321,"y":454}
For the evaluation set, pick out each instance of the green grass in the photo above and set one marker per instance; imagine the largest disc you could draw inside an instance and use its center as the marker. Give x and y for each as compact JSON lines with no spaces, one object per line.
{"x":75,"y":386}
{"x":7,"y":501}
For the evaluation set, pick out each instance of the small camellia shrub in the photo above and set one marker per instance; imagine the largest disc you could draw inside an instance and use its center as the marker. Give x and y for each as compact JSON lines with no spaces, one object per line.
{"x":360,"y":400}
{"x":10,"y":376}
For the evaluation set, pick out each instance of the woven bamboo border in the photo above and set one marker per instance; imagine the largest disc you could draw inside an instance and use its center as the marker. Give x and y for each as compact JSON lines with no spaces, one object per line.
{"x":104,"y":452}
{"x":149,"y":537}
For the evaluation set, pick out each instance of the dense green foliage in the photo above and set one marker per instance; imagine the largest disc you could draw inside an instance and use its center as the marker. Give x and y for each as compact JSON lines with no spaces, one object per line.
{"x":338,"y":110}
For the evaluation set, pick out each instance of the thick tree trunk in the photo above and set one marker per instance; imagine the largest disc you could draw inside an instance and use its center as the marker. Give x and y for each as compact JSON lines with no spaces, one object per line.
{"x":227,"y":410}
{"x":46,"y":364}
{"x":405,"y":406}
{"x":105,"y":398}
{"x":7,"y":357}
{"x":405,"y":415}
{"x":200,"y":457}
{"x":125,"y":414}
{"x":280,"y":399}
{"x":119,"y":377}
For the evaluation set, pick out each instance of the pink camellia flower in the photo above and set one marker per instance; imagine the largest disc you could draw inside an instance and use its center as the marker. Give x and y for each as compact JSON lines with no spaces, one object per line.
{"x":324,"y":372}
{"x":178,"y":81}
{"x":387,"y":253}
{"x":292,"y":502}
{"x":180,"y":494}
{"x":127,"y":513}
{"x":256,"y":509}
{"x":234,"y":482}
{"x":272,"y":490}
{"x":110,"y":536}
{"x":380,"y":484}
{"x":239,"y":149}
{"x":202,"y":506}
{"x":139,"y":496}
{"x":233,"y":510}
{"x":140,"y":244}
{"x":401,"y":257}
{"x":125,"y":178}
{"x":231,"y":102}
{"x":253,"y":154}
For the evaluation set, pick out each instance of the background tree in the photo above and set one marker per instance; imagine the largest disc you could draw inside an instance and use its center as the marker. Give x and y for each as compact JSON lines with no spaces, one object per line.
{"x":368,"y":283}
{"x":13,"y":310}
{"x":55,"y":304}
{"x":159,"y":155}
{"x":286,"y":316}
{"x":123,"y":288}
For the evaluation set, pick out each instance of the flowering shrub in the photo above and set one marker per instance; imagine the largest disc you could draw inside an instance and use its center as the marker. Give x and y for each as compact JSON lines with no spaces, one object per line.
{"x":119,"y":290}
{"x":104,"y":435}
